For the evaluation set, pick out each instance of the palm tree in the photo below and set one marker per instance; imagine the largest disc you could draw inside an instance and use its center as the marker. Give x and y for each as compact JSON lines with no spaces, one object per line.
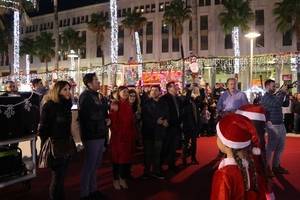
{"x":288,"y":19}
{"x":194,"y":19}
{"x":134,"y":21}
{"x":56,"y":34}
{"x":44,"y":45}
{"x":236,"y":15}
{"x":98,"y":25}
{"x":71,"y":40}
{"x":27,"y":48}
{"x":175,"y":15}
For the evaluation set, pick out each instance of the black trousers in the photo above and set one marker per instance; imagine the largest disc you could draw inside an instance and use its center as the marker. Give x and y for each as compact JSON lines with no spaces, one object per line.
{"x":190,"y":146}
{"x":152,"y":154}
{"x":121,"y":171}
{"x":169,"y":146}
{"x":58,"y":171}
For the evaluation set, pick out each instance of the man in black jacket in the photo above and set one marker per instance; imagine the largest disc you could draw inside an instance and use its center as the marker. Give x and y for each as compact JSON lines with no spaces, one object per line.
{"x":155,"y":121}
{"x":93,"y":120}
{"x":174,"y":129}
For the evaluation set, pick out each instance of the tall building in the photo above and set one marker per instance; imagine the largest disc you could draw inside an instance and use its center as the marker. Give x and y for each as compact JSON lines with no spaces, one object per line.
{"x":158,"y":43}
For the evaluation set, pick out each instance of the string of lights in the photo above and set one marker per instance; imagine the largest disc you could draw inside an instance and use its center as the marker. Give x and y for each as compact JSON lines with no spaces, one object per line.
{"x":27,"y":57}
{"x":114,"y":36}
{"x":16,"y":42}
{"x":138,"y":54}
{"x":236,"y":47}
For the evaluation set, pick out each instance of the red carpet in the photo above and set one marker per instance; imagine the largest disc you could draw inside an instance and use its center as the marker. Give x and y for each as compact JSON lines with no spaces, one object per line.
{"x":190,"y":183}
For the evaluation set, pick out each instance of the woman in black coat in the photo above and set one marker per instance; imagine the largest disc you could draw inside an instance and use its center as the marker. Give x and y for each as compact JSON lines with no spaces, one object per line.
{"x":191,"y":123}
{"x":55,"y":124}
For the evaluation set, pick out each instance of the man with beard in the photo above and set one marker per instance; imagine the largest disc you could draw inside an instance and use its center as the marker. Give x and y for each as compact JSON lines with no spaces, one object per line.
{"x":273,"y":104}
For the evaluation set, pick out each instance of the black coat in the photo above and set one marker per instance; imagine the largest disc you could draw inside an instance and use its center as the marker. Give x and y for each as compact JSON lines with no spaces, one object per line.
{"x":191,"y":117}
{"x":56,"y":119}
{"x":151,"y":112}
{"x":92,"y":114}
{"x":174,"y":118}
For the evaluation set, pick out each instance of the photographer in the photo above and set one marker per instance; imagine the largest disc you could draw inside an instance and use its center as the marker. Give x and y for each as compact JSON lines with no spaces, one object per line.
{"x":273,"y":104}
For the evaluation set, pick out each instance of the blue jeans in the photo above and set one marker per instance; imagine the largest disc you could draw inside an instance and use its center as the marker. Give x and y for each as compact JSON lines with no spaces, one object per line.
{"x":276,"y":143}
{"x":92,"y":160}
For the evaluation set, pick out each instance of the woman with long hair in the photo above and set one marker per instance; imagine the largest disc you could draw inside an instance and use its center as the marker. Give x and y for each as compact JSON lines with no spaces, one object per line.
{"x":123,"y":134}
{"x":55,"y":125}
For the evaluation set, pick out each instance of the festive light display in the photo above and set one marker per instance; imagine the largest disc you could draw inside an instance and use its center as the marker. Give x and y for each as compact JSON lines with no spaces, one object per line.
{"x":114,"y":37}
{"x":236,"y":47}
{"x":27,"y":63}
{"x":16,"y":42}
{"x":138,"y":54}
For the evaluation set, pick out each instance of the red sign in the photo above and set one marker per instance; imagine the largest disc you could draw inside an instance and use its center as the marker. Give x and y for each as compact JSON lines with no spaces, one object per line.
{"x":287,"y":77}
{"x":152,"y":78}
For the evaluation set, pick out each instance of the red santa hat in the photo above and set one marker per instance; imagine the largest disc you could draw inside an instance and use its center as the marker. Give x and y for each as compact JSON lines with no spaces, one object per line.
{"x":235,"y":131}
{"x":253,"y":112}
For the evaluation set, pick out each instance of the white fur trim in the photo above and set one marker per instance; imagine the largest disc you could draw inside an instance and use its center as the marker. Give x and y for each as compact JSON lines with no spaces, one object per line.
{"x":252,"y":115}
{"x":256,"y":151}
{"x":230,"y":161}
{"x":229,"y":143}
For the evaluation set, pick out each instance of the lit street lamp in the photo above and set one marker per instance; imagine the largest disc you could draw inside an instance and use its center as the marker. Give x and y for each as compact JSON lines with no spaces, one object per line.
{"x":72,"y":54}
{"x":251,"y":36}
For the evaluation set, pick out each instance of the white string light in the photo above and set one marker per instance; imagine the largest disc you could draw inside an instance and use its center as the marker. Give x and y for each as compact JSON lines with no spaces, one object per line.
{"x":138,"y":54}
{"x":27,"y":59}
{"x":236,"y":47}
{"x":16,"y":42}
{"x":114,"y":36}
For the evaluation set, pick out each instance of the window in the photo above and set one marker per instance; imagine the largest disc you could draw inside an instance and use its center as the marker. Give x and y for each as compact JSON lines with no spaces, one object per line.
{"x":191,"y":43}
{"x":60,"y":23}
{"x":228,"y":41}
{"x":204,"y":3}
{"x":260,"y":41}
{"x":121,"y":32}
{"x":86,"y":19}
{"x":99,"y":52}
{"x":204,"y":42}
{"x":259,"y":18}
{"x":217,"y":2}
{"x":165,"y":29}
{"x":165,"y":45}
{"x":124,"y":12}
{"x":148,"y":8}
{"x":142,"y":9}
{"x":287,"y":38}
{"x":161,"y":7}
{"x":83,"y":53}
{"x":149,"y":28}
{"x":204,"y":22}
{"x":175,"y":44}
{"x":128,"y":10}
{"x":136,"y":9}
{"x":82,"y":19}
{"x":152,"y":8}
{"x":119,"y":13}
{"x":121,"y":49}
{"x":74,"y":21}
{"x":149,"y":46}
{"x":191,"y":26}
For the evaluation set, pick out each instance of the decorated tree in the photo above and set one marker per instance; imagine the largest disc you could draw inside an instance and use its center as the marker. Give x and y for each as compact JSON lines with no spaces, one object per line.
{"x":236,"y":16}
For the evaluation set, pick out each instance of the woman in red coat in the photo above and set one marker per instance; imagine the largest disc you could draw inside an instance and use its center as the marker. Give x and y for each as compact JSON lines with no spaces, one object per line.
{"x":123,"y":134}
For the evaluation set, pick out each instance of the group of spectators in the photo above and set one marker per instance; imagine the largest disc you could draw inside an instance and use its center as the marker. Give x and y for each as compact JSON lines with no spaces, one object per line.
{"x":160,"y":119}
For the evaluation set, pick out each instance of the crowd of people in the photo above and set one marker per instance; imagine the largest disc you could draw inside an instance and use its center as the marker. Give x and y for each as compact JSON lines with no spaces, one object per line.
{"x":163,"y":120}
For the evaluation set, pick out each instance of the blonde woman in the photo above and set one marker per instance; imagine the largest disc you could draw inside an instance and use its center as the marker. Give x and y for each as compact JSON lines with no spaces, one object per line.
{"x":55,"y":124}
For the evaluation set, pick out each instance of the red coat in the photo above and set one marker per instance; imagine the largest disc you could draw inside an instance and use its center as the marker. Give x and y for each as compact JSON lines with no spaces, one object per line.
{"x":123,"y":133}
{"x":228,"y":184}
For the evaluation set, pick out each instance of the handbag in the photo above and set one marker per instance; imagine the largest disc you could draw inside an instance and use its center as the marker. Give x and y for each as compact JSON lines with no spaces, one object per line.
{"x":45,"y":154}
{"x":63,"y":148}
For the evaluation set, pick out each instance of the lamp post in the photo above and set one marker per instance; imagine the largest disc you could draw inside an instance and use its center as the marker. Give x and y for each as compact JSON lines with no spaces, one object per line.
{"x":72,"y":54}
{"x":251,"y":36}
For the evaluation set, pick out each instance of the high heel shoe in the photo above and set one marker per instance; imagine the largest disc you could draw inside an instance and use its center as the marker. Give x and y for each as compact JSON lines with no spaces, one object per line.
{"x":116,"y":184}
{"x":123,"y":184}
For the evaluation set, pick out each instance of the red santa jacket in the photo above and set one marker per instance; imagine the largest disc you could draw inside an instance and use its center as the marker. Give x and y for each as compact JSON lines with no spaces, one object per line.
{"x":228,"y":183}
{"x":123,"y":133}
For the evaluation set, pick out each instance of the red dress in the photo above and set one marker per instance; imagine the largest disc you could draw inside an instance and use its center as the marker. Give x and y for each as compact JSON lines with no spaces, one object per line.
{"x":123,"y":133}
{"x":228,"y":184}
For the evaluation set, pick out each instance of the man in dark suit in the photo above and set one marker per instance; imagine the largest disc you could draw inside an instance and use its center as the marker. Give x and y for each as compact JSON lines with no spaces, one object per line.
{"x":173,"y":131}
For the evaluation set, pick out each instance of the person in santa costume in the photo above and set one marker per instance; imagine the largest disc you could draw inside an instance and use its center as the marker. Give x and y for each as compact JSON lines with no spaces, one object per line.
{"x":236,"y":177}
{"x":257,"y":114}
